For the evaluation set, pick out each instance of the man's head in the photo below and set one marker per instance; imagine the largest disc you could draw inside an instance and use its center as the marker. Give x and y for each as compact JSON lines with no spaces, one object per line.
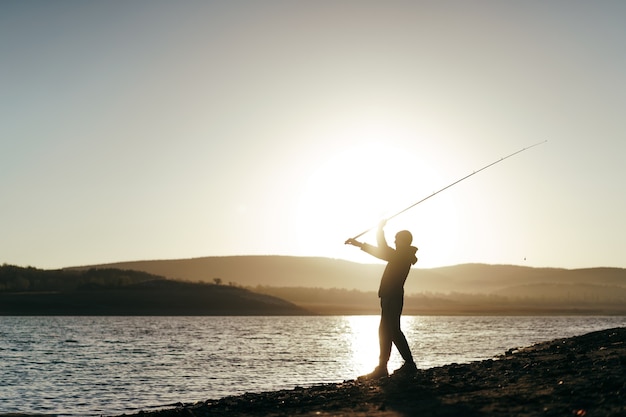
{"x":403,"y":238}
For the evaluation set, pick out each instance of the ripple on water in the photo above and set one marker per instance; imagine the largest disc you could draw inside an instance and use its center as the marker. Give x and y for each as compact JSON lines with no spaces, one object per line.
{"x":82,"y":366}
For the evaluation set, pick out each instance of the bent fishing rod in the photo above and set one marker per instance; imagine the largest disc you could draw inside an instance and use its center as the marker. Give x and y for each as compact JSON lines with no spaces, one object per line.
{"x":450,"y":185}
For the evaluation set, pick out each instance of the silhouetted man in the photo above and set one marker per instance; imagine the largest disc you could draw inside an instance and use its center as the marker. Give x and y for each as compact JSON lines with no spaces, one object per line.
{"x":391,"y":293}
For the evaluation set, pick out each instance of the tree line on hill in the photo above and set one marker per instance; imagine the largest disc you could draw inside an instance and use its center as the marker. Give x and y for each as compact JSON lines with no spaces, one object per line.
{"x":19,"y":279}
{"x":32,"y":291}
{"x":557,"y":300}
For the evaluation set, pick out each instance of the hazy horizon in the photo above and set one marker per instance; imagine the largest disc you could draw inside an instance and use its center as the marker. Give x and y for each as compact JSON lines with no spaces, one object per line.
{"x":365,"y":261}
{"x":153,"y":130}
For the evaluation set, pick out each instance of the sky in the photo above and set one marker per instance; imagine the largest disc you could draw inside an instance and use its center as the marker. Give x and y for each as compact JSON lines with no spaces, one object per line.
{"x":167,"y":130}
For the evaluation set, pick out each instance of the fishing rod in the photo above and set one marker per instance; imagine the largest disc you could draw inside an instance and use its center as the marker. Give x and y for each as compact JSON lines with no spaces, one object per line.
{"x":448,"y":186}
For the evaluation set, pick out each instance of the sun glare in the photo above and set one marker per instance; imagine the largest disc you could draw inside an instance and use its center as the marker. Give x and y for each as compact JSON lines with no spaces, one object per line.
{"x":352,"y":190}
{"x":348,"y":192}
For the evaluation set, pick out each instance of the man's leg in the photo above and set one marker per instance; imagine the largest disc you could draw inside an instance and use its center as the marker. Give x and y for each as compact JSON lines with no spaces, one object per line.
{"x":397,"y":336}
{"x":384,"y":340}
{"x":402,"y":345}
{"x":385,"y":333}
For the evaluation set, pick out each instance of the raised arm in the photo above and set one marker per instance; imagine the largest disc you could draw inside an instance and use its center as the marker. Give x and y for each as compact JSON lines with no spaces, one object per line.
{"x":382,"y":251}
{"x":380,"y":235}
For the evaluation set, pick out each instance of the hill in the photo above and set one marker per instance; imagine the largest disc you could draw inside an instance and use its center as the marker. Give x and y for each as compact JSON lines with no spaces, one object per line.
{"x":30,"y":291}
{"x":287,"y":271}
{"x":333,"y":286}
{"x":276,"y":271}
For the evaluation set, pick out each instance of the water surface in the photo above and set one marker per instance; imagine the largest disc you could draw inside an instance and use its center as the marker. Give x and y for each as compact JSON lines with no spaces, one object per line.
{"x":86,"y":366}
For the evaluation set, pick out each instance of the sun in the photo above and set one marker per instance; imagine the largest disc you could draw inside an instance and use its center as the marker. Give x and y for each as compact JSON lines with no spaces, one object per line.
{"x":355,"y":188}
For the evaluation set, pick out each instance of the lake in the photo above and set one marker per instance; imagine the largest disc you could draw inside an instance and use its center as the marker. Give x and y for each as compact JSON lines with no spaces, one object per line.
{"x":92,"y":366}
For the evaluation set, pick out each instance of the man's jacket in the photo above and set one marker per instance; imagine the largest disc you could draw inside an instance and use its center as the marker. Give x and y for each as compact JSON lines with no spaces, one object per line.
{"x":399,"y":263}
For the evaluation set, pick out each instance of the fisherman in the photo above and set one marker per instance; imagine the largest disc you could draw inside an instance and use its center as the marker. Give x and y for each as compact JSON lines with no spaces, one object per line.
{"x":391,"y":294}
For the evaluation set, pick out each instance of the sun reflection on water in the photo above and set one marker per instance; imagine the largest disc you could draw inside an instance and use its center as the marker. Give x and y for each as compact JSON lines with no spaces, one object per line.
{"x":362,"y":335}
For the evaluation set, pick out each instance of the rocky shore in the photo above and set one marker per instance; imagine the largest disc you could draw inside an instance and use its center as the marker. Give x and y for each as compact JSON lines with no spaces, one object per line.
{"x":579,"y":376}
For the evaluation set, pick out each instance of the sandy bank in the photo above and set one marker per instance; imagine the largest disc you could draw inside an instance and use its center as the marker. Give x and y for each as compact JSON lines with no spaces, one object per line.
{"x":579,"y":376}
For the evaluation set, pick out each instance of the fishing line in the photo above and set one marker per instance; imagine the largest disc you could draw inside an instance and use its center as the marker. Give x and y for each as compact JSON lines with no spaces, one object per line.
{"x":454,"y":183}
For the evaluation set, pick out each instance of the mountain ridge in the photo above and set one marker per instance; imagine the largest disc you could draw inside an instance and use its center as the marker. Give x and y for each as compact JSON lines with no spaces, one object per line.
{"x":319,"y":272}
